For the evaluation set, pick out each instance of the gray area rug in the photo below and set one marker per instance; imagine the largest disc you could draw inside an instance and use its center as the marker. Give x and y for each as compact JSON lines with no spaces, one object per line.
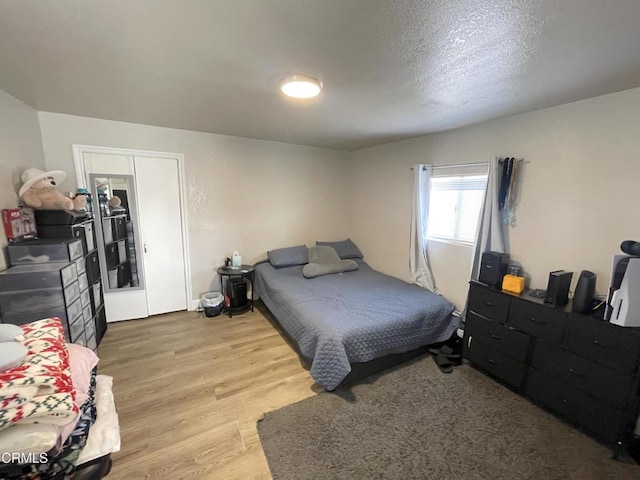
{"x":413,"y":422}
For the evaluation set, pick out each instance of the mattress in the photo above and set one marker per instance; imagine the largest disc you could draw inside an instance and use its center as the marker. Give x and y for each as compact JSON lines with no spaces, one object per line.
{"x":352,"y":317}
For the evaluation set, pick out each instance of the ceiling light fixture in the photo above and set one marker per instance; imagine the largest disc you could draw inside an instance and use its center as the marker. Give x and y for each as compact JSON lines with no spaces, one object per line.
{"x":300,"y":86}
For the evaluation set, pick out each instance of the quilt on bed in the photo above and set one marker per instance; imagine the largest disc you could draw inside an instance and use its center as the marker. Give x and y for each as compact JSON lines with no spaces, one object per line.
{"x":352,"y":317}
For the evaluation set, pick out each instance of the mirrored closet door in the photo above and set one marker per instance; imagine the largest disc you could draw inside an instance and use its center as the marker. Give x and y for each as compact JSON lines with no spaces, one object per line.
{"x":142,"y":232}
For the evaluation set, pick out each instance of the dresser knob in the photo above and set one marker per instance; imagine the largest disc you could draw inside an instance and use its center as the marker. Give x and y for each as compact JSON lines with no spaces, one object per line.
{"x":539,"y":322}
{"x":603,"y":345}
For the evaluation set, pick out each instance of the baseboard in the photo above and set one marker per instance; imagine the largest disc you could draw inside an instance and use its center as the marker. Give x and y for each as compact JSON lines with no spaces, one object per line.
{"x":194,"y":305}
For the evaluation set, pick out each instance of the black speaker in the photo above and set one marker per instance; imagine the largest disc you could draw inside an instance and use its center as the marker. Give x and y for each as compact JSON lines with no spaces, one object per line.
{"x":493,"y":268}
{"x":628,"y":246}
{"x":585,"y":290}
{"x":558,"y":288}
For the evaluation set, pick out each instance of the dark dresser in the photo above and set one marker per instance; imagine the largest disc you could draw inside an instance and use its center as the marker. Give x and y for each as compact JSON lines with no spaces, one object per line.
{"x":56,"y":275}
{"x":579,"y":367}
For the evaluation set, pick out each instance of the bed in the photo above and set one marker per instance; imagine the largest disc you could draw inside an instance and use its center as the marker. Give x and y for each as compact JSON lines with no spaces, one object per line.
{"x":352,"y":318}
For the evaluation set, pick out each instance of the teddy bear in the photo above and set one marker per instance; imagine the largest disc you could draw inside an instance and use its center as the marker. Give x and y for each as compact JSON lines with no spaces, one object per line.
{"x":39,"y":191}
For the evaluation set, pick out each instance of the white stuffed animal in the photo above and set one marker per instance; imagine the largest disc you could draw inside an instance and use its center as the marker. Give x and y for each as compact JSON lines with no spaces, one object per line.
{"x":39,"y":191}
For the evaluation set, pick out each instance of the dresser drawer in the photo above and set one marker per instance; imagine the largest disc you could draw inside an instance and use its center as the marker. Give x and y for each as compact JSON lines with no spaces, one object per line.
{"x":537,"y":320}
{"x":71,"y":293}
{"x":85,"y":298}
{"x":603,"y":342}
{"x":81,"y":266}
{"x":76,"y":329}
{"x":112,"y":255}
{"x":495,"y":362}
{"x":91,"y":343}
{"x":594,"y":416}
{"x":499,"y":337}
{"x":488,"y":303}
{"x":93,"y":268}
{"x":74,"y":311}
{"x":593,"y":378}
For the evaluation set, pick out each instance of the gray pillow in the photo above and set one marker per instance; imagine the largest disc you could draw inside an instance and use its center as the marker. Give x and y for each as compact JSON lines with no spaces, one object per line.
{"x":324,"y":260}
{"x":288,"y":257}
{"x":345,"y":248}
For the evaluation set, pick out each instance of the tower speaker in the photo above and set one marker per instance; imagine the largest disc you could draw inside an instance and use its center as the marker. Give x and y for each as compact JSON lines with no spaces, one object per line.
{"x":493,"y":268}
{"x":585,"y":290}
{"x":558,"y":288}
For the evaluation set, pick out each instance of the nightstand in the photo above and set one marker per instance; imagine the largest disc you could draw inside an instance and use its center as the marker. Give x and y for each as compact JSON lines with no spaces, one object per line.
{"x":227,"y":277}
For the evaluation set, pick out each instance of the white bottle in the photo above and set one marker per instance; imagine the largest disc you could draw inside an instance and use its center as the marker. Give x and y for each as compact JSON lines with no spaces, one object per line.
{"x":236,"y":259}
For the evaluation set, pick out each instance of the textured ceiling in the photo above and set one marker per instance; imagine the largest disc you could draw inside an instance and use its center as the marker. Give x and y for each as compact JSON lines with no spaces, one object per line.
{"x":391,"y":69}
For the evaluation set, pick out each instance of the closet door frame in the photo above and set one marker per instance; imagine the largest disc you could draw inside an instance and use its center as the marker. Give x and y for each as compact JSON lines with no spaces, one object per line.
{"x":81,"y":178}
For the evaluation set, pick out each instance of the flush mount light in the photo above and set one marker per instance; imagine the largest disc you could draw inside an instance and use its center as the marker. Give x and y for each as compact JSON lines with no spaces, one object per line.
{"x":300,"y":86}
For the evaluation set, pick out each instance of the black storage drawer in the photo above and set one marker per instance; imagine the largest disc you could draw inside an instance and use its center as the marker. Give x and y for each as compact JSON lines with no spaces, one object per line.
{"x":93,"y":268}
{"x":504,"y":339}
{"x":588,"y":413}
{"x":119,"y":228}
{"x":593,"y":378}
{"x":112,"y":255}
{"x":537,"y":320}
{"x":603,"y":342}
{"x":124,"y":275}
{"x":494,"y":362}
{"x":101,"y":325}
{"x":80,"y":231}
{"x":489,"y":303}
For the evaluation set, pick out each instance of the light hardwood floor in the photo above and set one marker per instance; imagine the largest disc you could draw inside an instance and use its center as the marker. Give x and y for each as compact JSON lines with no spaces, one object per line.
{"x":189,"y":390}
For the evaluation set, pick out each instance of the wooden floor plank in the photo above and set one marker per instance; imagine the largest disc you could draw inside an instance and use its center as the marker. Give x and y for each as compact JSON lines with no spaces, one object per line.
{"x":190,"y":389}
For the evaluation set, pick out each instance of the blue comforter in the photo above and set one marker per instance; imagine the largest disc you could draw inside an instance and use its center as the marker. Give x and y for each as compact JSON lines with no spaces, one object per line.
{"x":352,"y":317}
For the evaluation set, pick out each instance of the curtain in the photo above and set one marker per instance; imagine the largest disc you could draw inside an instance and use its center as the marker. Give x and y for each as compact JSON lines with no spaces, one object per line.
{"x":490,"y":235}
{"x":418,"y":259}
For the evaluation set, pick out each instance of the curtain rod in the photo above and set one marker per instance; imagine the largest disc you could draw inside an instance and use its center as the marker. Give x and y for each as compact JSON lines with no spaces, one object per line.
{"x":459,"y":165}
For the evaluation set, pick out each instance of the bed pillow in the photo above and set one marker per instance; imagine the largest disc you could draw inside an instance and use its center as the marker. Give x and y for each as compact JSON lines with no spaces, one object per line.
{"x":324,"y":260}
{"x":345,"y":248}
{"x":288,"y":257}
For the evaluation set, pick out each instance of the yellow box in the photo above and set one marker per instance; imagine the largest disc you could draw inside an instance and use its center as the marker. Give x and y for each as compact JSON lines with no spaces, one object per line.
{"x":513,"y":284}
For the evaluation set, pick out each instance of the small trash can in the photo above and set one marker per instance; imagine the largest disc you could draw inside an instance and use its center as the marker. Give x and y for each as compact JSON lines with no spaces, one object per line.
{"x":212,"y":304}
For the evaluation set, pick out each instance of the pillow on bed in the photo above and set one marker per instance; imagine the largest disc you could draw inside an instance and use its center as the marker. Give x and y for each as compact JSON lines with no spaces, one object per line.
{"x":288,"y":257}
{"x":324,"y":260}
{"x":345,"y":248}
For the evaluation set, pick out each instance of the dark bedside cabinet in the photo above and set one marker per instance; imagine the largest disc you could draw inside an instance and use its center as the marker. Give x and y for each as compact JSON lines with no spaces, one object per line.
{"x":585,"y":370}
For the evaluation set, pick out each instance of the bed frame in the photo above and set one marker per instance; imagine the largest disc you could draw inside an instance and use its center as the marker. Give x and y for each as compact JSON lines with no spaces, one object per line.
{"x":359,"y":370}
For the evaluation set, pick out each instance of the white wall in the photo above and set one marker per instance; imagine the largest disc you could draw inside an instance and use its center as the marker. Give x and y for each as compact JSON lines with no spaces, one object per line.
{"x":578,"y":193}
{"x":20,"y":148}
{"x":242,"y":194}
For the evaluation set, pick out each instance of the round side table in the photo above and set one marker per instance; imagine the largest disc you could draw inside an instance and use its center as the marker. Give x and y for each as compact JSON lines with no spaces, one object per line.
{"x":243,"y":272}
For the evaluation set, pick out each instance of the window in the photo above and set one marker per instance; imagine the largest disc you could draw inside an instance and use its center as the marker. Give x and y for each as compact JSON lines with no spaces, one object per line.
{"x":454,"y":207}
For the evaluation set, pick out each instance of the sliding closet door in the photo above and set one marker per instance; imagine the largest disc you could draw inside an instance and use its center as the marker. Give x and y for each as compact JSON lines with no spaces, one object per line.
{"x":157,"y":180}
{"x":119,"y":303}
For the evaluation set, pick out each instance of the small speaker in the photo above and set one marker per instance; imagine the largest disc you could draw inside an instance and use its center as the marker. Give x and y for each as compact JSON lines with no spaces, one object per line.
{"x":585,"y":290}
{"x":631,"y":247}
{"x":558,"y":288}
{"x":493,"y":268}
